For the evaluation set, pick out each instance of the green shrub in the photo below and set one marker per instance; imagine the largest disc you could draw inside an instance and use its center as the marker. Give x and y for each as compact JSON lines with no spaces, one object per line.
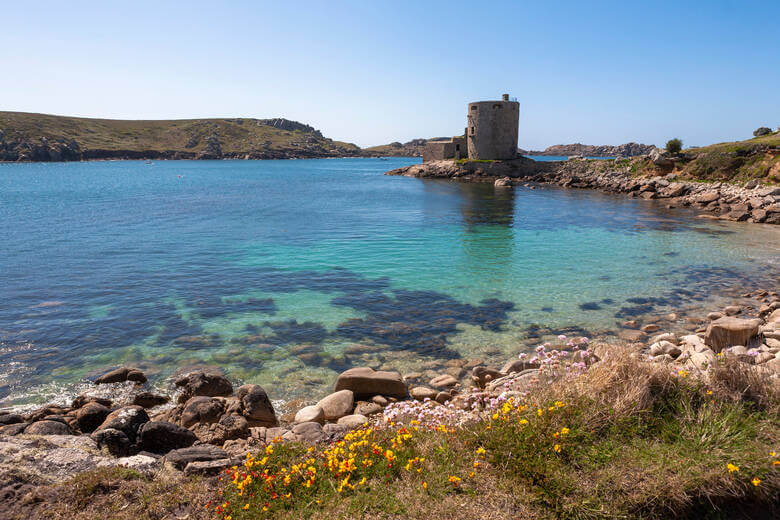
{"x":674,"y":145}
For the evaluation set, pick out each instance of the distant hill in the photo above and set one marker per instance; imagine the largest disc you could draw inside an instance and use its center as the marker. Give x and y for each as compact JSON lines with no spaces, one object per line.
{"x":41,"y":137}
{"x":622,"y":150}
{"x":414,"y":149}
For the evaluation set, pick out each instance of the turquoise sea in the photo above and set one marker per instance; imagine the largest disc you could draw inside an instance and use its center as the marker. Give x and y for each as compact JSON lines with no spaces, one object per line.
{"x":284,"y":273}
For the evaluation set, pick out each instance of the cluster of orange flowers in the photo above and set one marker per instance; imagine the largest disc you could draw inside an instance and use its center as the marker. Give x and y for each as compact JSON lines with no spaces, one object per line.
{"x":755,"y":480}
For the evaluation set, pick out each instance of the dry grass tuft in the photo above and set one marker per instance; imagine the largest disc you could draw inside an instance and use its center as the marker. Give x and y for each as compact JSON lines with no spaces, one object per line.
{"x":738,"y":381}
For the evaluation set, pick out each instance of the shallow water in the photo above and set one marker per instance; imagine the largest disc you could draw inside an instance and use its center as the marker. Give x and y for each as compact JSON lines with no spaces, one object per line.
{"x":285,"y":272}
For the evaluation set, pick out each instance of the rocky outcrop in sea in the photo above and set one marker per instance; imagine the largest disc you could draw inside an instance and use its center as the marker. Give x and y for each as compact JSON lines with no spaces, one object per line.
{"x":587,"y":150}
{"x":751,"y":202}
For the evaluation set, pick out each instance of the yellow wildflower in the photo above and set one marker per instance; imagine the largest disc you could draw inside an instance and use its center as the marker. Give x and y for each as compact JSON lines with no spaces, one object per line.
{"x":564,"y":430}
{"x":557,"y":448}
{"x":756,"y":481}
{"x":732,"y":468}
{"x":246,"y":507}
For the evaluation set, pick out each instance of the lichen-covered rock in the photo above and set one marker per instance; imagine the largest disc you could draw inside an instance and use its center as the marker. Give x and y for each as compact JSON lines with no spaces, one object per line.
{"x":127,"y":419}
{"x":116,"y":442}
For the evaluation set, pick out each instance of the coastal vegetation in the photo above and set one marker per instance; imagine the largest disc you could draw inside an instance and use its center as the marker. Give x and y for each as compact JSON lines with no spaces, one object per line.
{"x":674,"y":145}
{"x":622,"y":438}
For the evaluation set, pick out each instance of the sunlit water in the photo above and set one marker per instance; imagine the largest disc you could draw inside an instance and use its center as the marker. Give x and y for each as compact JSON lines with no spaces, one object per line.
{"x":285,"y":272}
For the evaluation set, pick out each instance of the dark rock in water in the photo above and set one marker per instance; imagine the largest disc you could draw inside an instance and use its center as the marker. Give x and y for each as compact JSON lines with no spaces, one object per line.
{"x":203,"y":383}
{"x":204,"y":452}
{"x":365,"y":382}
{"x":90,"y":416}
{"x":149,"y":400}
{"x":161,"y":437}
{"x":81,"y":400}
{"x":127,"y":419}
{"x":116,"y":442}
{"x":48,"y":428}
{"x":120,"y":375}
{"x":256,"y":406}
{"x":590,"y":306}
{"x":11,"y":418}
{"x":13,"y":429}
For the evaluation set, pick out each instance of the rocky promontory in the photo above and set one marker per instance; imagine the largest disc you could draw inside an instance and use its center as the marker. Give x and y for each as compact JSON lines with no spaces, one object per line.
{"x":751,"y":201}
{"x":587,"y":150}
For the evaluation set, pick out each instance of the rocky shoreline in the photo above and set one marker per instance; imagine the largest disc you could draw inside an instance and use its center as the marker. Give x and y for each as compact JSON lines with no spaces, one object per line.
{"x":207,"y":425}
{"x":751,"y":202}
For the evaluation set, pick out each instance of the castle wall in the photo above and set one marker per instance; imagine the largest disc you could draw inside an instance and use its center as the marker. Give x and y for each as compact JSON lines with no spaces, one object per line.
{"x":492,"y":129}
{"x":455,"y":148}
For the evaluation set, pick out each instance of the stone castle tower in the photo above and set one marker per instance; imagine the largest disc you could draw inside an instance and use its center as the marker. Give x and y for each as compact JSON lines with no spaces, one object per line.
{"x":492,"y":129}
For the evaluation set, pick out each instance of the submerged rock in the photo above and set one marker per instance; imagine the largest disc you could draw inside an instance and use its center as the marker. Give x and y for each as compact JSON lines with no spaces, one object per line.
{"x":121,"y":375}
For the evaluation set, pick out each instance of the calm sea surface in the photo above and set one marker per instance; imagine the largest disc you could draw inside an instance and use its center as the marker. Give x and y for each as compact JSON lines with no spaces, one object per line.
{"x":283,"y":273}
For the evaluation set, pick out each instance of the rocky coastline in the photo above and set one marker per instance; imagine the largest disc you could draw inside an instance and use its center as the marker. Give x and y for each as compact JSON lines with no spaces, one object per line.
{"x":751,"y":202}
{"x":207,"y":425}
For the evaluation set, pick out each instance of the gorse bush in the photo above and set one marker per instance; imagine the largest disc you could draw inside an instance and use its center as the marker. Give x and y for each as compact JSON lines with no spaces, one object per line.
{"x":674,"y":145}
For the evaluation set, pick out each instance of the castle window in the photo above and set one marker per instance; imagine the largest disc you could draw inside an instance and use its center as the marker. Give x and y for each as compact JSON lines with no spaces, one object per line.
{"x":496,"y":105}
{"x":474,"y":107}
{"x":473,"y":131}
{"x":457,"y":147}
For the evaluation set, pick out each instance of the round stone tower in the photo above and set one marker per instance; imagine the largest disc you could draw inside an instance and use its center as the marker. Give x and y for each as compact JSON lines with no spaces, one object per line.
{"x":492,"y":129}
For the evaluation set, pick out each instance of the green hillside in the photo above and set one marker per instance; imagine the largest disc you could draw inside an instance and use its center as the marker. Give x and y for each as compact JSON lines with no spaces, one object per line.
{"x":27,"y":136}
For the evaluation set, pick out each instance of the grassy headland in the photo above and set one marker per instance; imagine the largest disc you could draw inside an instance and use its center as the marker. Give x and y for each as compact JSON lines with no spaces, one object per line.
{"x":26,"y":136}
{"x":733,"y":162}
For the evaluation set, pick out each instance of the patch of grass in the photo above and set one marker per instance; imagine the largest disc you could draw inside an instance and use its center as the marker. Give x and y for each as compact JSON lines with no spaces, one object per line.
{"x":465,"y":161}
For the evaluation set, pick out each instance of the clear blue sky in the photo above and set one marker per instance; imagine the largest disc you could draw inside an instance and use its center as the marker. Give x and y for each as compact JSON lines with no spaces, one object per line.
{"x":373,"y":72}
